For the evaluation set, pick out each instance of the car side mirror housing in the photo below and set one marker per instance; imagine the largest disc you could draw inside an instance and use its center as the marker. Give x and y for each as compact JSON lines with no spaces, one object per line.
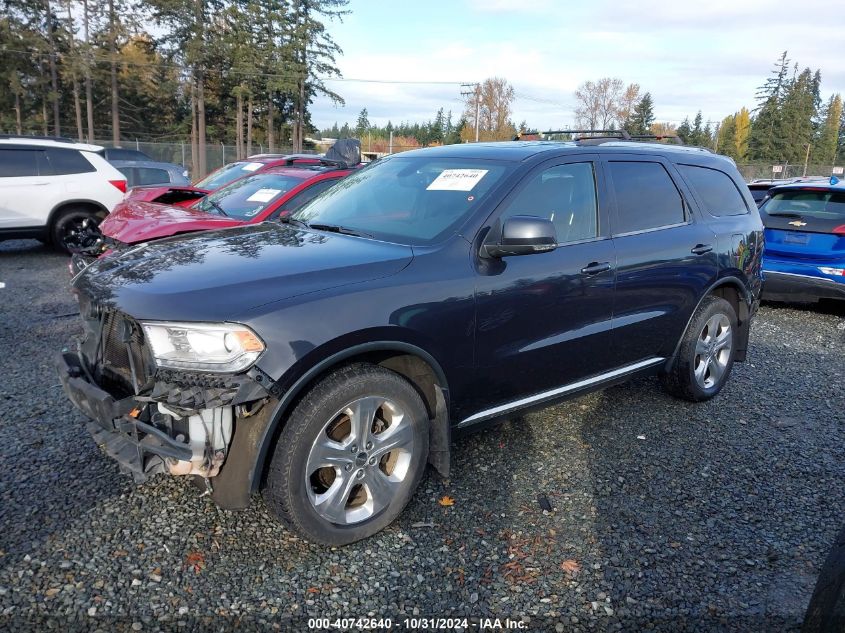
{"x":523,"y":235}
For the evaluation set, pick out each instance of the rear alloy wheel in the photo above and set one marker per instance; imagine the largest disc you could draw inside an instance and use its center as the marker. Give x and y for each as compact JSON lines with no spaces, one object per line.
{"x":350,"y":456}
{"x":73,"y":229}
{"x":706,"y":353}
{"x":713,"y":351}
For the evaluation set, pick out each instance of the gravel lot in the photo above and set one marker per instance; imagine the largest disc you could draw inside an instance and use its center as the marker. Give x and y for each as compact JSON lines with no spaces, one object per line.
{"x":665,"y":514}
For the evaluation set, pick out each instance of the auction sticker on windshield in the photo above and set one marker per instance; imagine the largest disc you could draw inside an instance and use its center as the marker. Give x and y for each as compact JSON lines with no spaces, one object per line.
{"x":252,"y":166}
{"x":263,"y":195}
{"x":457,"y":180}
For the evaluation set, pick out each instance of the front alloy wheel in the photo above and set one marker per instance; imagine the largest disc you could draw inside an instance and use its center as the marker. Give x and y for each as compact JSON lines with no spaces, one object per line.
{"x":350,"y":455}
{"x":358,"y":460}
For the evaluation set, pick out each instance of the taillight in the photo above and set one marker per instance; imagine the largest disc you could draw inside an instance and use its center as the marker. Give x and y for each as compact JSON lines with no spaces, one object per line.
{"x":839,"y":230}
{"x":120,"y":184}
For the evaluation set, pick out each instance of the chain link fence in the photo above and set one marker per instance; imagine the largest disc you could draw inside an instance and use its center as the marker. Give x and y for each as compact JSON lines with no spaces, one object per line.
{"x":752,"y":171}
{"x":216,"y":154}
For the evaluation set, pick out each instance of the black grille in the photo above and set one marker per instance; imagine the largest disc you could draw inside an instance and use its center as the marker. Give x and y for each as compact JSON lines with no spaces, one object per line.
{"x":121,"y":348}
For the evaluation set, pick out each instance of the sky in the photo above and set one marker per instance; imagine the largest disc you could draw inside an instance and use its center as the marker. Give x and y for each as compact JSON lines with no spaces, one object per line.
{"x":709,"y":56}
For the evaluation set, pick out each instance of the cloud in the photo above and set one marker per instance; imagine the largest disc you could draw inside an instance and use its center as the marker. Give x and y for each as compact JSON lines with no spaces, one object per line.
{"x":504,"y":6}
{"x":689,"y":56}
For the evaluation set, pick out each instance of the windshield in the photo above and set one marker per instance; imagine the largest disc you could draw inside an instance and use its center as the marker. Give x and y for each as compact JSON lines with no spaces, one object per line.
{"x":246,"y":198}
{"x":227,"y":174}
{"x":821,"y":204}
{"x":409,"y":200}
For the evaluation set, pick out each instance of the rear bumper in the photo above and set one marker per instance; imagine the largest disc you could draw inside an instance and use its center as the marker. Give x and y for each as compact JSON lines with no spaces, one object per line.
{"x":790,"y":286}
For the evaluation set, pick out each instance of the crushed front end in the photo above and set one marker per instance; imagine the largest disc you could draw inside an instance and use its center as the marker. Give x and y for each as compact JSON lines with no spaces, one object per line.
{"x":154,"y":419}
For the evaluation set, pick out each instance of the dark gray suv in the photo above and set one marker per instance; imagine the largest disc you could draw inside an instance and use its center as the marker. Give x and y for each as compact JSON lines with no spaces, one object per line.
{"x":327,"y":358}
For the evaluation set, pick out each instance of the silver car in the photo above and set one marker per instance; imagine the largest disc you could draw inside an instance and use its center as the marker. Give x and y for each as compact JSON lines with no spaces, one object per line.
{"x":141,"y":173}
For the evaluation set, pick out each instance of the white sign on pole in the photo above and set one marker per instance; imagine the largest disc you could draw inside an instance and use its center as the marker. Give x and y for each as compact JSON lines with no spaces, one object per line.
{"x":837,"y":171}
{"x":776,"y":169}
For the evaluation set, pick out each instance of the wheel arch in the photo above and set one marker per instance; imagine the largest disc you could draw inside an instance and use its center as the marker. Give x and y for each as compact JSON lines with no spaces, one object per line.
{"x":412,"y":362}
{"x":735,"y":292}
{"x":65,"y":205}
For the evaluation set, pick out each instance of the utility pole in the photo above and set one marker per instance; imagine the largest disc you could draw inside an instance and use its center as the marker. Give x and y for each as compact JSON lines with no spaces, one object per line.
{"x":476,"y":90}
{"x":806,"y":159}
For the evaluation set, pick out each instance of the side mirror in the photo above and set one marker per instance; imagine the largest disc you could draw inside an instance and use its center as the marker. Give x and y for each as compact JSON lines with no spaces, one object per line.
{"x":523,"y":235}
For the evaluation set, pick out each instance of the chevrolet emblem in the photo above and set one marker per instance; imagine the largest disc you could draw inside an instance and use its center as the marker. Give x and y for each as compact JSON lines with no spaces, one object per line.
{"x":797,"y":223}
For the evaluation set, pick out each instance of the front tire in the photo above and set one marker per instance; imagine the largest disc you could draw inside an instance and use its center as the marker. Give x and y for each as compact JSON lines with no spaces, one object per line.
{"x":350,"y":456}
{"x":706,"y":353}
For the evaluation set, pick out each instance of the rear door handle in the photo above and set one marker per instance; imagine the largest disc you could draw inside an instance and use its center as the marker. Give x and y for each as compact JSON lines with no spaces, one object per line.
{"x":701,"y":249}
{"x":595,"y":268}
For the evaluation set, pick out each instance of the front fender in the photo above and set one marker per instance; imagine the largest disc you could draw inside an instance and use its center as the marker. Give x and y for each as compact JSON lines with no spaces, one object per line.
{"x":254,"y":437}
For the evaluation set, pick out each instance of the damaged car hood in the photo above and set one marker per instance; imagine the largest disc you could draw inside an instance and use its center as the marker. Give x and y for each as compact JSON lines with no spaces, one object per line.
{"x":136,"y":221}
{"x":216,"y":275}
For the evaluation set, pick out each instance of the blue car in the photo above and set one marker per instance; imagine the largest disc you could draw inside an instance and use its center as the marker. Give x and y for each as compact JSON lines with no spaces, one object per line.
{"x":804,"y":259}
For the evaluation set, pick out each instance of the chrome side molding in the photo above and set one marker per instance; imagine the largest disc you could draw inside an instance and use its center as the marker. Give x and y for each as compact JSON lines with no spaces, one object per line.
{"x":559,"y":391}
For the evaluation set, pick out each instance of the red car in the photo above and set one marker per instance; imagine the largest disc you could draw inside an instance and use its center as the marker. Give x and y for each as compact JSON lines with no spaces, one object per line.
{"x":185,"y":196}
{"x":269,"y":195}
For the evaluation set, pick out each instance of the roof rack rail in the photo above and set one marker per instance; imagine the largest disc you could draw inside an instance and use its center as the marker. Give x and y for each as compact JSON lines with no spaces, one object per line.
{"x":57,"y":139}
{"x":597,"y":137}
{"x":676,"y":140}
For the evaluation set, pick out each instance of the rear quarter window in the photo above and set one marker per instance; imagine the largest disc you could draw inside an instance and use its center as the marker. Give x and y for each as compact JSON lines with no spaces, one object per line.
{"x":68,"y":161}
{"x":716,"y":189}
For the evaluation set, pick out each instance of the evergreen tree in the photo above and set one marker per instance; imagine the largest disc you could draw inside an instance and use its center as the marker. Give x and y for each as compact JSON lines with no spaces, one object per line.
{"x":685,"y":131}
{"x":765,"y":141}
{"x":828,"y":133}
{"x":643,"y":116}
{"x":697,"y":134}
{"x":798,"y":112}
{"x":363,"y":123}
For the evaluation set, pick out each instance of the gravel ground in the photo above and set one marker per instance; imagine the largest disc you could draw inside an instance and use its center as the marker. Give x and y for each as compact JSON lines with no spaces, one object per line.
{"x":665,"y":514}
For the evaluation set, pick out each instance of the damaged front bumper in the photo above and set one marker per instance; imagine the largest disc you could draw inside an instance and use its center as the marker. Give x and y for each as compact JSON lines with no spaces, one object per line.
{"x":180,"y":423}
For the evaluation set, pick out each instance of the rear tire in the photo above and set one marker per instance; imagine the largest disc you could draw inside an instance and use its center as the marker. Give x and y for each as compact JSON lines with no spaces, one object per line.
{"x":350,"y":456}
{"x":706,"y":354}
{"x":68,"y":231}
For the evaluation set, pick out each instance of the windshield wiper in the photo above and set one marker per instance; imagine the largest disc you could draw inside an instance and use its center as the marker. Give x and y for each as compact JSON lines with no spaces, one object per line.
{"x":218,"y":208}
{"x":289,"y":220}
{"x":336,"y":228}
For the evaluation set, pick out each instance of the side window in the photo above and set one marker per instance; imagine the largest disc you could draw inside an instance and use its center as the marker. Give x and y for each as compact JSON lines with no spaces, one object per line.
{"x":18,"y":162}
{"x":646,"y":197}
{"x":564,"y":194}
{"x":716,"y":189}
{"x":303,"y":197}
{"x":150,"y":176}
{"x":68,"y":161}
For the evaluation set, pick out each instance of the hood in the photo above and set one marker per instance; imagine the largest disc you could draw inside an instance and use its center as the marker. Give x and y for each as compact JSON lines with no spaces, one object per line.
{"x":216,"y":275}
{"x":134,"y":221}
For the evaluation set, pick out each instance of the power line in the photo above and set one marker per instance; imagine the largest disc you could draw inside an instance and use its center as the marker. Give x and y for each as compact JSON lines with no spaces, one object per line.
{"x":232,"y":71}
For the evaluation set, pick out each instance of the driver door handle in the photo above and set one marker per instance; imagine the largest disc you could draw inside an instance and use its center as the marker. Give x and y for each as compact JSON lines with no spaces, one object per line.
{"x":595,"y":268}
{"x":701,"y":249}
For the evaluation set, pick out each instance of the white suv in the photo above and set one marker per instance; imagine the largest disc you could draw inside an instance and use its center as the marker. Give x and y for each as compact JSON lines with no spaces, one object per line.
{"x":51,"y":188}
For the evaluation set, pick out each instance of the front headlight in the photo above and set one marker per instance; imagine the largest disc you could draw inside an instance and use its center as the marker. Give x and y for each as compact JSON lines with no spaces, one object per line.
{"x":217,"y":347}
